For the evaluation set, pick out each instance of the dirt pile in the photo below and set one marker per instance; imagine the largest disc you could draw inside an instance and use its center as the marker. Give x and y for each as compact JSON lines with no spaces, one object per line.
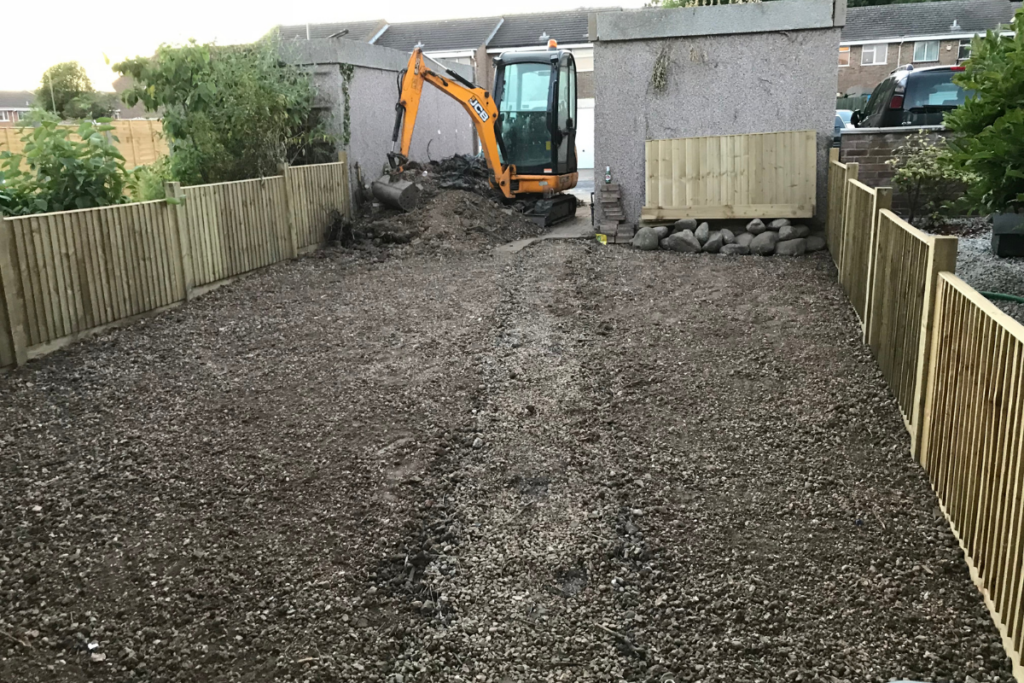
{"x":457,"y":210}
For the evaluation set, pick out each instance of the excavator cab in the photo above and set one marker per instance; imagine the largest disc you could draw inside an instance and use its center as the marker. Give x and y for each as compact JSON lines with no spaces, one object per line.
{"x":536,"y":126}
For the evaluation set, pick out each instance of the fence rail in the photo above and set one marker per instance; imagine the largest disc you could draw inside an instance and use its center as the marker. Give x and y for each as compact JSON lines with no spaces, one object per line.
{"x":762,"y":175}
{"x":973,"y":445}
{"x":63,"y":275}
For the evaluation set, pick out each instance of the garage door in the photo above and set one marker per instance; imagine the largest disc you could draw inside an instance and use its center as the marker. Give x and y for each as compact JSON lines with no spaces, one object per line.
{"x":585,"y":133}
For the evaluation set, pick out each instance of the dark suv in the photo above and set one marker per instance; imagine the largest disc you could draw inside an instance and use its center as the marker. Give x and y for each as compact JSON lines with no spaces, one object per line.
{"x":912,"y":97}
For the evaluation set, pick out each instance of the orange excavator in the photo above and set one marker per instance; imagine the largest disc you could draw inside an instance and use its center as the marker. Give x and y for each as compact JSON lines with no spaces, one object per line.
{"x":527,"y":129}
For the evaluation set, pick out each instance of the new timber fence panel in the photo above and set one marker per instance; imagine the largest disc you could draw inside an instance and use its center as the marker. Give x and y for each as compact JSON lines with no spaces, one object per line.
{"x":760,"y":175}
{"x":860,"y":219}
{"x":66,"y":274}
{"x":140,"y":141}
{"x":900,"y":312}
{"x":973,"y":445}
{"x":69,"y":272}
{"x":839,"y":175}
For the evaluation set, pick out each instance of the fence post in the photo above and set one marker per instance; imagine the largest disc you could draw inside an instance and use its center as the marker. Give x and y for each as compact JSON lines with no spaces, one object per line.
{"x":15,"y":318}
{"x":851,"y":174}
{"x":293,"y":238}
{"x":943,"y":259}
{"x":172,"y":190}
{"x":883,"y":201}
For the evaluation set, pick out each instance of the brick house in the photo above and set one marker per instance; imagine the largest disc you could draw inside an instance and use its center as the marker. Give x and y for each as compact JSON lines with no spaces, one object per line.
{"x":14,"y":105}
{"x":877,"y":40}
{"x":477,"y":42}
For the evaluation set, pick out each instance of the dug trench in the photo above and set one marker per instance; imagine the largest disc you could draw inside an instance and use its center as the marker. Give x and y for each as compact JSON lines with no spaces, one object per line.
{"x":574,"y":463}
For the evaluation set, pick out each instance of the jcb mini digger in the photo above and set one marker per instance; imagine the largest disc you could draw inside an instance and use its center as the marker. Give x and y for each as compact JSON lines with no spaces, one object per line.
{"x":527,"y":129}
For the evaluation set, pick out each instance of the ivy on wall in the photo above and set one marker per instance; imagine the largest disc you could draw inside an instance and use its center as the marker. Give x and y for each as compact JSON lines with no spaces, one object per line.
{"x":347,"y":71}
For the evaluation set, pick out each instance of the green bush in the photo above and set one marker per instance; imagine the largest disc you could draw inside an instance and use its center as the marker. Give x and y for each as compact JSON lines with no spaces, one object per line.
{"x":146,"y":183}
{"x":924,"y":174}
{"x":229,"y":113}
{"x":990,"y":125}
{"x":62,"y":173}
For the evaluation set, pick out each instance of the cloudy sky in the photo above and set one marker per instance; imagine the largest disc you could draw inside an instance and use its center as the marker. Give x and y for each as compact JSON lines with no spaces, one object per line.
{"x":38,"y":35}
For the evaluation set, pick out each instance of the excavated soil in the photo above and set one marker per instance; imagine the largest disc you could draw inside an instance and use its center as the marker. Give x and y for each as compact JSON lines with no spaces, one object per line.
{"x":573,"y":464}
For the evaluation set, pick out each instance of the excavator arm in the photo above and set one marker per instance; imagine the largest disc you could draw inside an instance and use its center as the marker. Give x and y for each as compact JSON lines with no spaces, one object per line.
{"x":477,"y":102}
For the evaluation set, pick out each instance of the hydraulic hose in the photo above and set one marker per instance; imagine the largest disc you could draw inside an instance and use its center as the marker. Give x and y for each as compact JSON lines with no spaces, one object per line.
{"x":1003,"y":297}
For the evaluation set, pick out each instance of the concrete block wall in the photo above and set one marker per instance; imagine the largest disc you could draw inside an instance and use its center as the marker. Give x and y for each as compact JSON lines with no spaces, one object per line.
{"x":443,"y":127}
{"x":871,"y":148}
{"x":728,"y":74}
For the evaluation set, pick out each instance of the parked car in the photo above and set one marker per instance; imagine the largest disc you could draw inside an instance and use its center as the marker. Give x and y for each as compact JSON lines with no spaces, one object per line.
{"x":912,"y":97}
{"x":843,"y":117}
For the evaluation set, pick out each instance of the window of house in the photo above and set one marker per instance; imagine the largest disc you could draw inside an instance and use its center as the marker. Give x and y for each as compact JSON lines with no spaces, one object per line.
{"x":844,"y":56}
{"x":873,"y":54}
{"x":5,"y":115}
{"x":965,"y":50}
{"x":928,"y":51}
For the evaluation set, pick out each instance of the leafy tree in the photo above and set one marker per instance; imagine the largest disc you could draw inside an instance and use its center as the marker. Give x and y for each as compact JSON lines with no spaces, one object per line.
{"x":229,"y":113}
{"x":989,"y":127}
{"x":61,"y":84}
{"x":63,"y":173}
{"x":91,"y":105}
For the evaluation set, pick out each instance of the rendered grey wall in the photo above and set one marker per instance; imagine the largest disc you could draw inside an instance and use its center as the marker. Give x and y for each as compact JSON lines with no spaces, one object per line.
{"x":443,"y":127}
{"x":717,"y":85}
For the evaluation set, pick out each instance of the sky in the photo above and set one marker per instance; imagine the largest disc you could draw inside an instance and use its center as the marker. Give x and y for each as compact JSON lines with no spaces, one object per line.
{"x":38,"y":35}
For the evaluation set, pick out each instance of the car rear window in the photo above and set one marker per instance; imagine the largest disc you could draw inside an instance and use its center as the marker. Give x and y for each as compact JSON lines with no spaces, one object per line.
{"x":932,"y":90}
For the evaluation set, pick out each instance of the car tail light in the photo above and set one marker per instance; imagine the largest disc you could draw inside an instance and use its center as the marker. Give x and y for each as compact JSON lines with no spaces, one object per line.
{"x":896,"y":102}
{"x":957,"y":68}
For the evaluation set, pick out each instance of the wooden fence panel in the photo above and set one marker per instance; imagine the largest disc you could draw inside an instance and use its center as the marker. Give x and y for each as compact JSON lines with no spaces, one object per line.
{"x":315,"y":191}
{"x":762,"y":175}
{"x":973,"y":445}
{"x":140,"y":141}
{"x":235,"y":227}
{"x":900,"y":312}
{"x":839,"y":175}
{"x":860,"y":219}
{"x":69,"y":272}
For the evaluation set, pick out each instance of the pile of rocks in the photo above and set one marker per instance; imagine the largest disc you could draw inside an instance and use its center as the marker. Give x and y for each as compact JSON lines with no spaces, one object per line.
{"x":777,"y":237}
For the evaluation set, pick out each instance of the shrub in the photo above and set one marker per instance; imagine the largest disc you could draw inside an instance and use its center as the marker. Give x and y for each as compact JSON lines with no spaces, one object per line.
{"x":229,"y":113}
{"x":924,"y":174}
{"x":990,"y":124}
{"x":63,"y":173}
{"x":146,"y":183}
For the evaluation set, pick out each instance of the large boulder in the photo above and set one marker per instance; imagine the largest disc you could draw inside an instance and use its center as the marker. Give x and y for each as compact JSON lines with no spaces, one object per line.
{"x":684,"y":224}
{"x":778,"y":223}
{"x":661,"y":230}
{"x":646,"y":239}
{"x":735,"y":250}
{"x":802,"y":230}
{"x":756,"y":226}
{"x":702,"y":233}
{"x":728,"y":236}
{"x":815,"y":243}
{"x":764,"y":244}
{"x":714,"y":243}
{"x":795,"y":247}
{"x":787,"y":232}
{"x":683,"y":241}
{"x":745,"y":238}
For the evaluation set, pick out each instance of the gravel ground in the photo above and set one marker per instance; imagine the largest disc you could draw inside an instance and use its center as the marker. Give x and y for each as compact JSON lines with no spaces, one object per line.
{"x":978,"y":267}
{"x":574,"y":464}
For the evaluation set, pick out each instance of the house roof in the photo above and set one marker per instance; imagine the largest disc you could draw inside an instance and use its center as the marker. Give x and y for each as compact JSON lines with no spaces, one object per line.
{"x":525,"y":30}
{"x":362,"y":31}
{"x":924,"y":19}
{"x":16,"y":99}
{"x":1016,"y":6}
{"x":439,"y":36}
